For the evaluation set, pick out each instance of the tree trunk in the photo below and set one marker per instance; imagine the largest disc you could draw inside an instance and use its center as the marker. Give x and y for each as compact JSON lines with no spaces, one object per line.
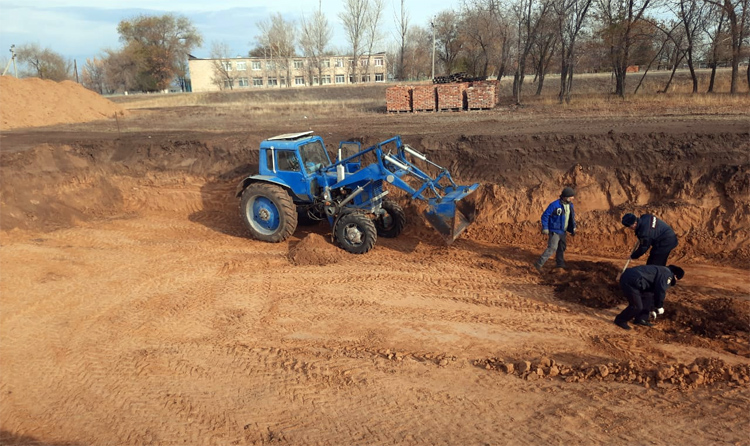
{"x":674,"y":68}
{"x":713,"y":78}
{"x":692,"y":70}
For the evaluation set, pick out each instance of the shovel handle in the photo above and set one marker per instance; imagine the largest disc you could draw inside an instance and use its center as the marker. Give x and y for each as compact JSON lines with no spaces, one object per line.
{"x":626,"y":266}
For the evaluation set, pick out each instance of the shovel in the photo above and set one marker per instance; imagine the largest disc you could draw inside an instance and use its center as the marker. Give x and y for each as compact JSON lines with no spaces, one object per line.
{"x":628,"y":262}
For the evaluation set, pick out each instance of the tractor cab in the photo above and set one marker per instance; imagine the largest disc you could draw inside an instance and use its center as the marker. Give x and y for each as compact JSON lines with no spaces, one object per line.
{"x":293,"y":159}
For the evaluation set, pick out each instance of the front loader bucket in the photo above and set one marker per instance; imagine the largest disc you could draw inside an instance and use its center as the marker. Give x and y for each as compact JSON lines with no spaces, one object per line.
{"x":443,"y":215}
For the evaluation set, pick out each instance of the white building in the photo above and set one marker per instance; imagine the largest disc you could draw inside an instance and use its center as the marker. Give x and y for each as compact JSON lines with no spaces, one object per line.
{"x":258,"y":72}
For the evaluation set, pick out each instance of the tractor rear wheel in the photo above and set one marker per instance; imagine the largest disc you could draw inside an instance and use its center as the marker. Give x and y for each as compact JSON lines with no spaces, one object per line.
{"x":355,"y":233}
{"x":391,"y":223}
{"x":268,"y":212}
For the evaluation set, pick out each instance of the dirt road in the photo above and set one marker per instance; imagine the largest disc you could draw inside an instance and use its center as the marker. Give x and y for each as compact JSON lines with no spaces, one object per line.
{"x":136,"y":311}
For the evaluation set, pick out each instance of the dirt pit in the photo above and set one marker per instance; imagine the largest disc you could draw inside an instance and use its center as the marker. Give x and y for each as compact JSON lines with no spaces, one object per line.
{"x":135,"y":309}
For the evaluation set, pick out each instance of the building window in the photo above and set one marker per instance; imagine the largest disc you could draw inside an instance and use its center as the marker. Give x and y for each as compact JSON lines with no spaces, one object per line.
{"x":228,"y":83}
{"x":282,"y":81}
{"x":325,"y":63}
{"x":378,"y":62}
{"x":339,"y":78}
{"x":365,"y":78}
{"x":351,"y":62}
{"x":257,"y":82}
{"x":270,"y":65}
{"x":241,"y":66}
{"x":299,"y":80}
{"x":378,"y":77}
{"x":326,"y":79}
{"x":315,"y":81}
{"x":339,"y":63}
{"x":243,"y":82}
{"x":256,"y":65}
{"x":272,"y":82}
{"x":351,"y":78}
{"x":227,"y":65}
{"x":364,"y":62}
{"x":299,"y":64}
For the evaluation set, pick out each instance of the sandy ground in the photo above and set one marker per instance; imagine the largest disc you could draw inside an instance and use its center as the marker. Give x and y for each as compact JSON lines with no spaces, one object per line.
{"x":135,"y":310}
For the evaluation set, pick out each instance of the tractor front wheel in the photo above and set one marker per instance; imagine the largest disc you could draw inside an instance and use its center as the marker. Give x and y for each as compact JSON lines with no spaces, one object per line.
{"x":355,"y":233}
{"x":392,"y":222}
{"x":269,"y":212}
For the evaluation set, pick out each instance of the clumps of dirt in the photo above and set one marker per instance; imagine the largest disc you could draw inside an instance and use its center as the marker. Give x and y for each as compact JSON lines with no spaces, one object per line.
{"x":720,"y":323}
{"x":315,"y":250}
{"x":34,"y":102}
{"x":701,"y":372}
{"x":591,"y":284}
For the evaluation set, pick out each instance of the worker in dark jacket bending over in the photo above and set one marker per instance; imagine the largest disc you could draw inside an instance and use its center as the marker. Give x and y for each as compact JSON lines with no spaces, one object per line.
{"x":645,"y":287}
{"x":558,"y":218}
{"x":652,"y":233}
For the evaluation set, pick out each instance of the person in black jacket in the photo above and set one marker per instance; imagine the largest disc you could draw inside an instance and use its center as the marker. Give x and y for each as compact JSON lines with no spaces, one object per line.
{"x":645,"y":287}
{"x":652,"y":233}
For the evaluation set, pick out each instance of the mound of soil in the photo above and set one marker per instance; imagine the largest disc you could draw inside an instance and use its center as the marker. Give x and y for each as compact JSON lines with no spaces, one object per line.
{"x":315,"y":250}
{"x":34,"y":102}
{"x":592,"y":284}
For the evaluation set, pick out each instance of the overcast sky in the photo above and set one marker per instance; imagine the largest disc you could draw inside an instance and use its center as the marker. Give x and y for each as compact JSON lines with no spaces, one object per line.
{"x":80,"y":29}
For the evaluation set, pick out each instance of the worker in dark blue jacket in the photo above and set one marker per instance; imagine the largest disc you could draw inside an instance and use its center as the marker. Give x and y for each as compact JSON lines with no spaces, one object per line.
{"x":645,"y":287}
{"x":652,"y":233}
{"x":557,"y":219}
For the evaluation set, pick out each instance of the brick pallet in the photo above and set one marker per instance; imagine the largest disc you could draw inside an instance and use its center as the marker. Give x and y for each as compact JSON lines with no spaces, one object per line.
{"x":481,"y":95}
{"x":398,"y":98}
{"x":451,"y":96}
{"x":424,"y":98}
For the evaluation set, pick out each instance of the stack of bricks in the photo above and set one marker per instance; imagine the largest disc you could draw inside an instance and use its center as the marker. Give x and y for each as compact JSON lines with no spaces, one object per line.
{"x":423,"y":97}
{"x":452,"y":96}
{"x":482,"y":95}
{"x":398,"y":98}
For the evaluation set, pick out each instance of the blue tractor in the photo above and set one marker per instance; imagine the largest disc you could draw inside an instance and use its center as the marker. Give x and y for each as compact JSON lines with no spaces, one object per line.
{"x":298,"y":183}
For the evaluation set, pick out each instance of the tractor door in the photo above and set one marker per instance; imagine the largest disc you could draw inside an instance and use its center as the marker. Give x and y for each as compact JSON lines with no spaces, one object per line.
{"x":288,"y":169}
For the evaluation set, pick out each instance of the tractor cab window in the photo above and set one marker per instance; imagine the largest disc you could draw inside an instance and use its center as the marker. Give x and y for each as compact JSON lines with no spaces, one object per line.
{"x":287,"y":160}
{"x":314,"y":156}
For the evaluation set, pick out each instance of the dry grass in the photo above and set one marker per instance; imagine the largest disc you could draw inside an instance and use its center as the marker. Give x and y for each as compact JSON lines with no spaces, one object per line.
{"x":591,"y":96}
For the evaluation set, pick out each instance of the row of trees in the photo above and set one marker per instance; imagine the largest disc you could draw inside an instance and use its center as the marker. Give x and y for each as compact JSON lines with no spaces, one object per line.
{"x":497,"y":38}
{"x":521,"y":37}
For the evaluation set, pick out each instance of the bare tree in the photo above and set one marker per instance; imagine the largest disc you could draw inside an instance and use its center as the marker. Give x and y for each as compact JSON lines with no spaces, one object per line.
{"x":739,"y":17}
{"x":447,"y":39}
{"x":545,"y":46}
{"x":355,"y":19}
{"x":122,"y":70}
{"x":483,"y":30}
{"x":43,"y":63}
{"x":222,"y":66}
{"x":529,"y":16}
{"x":571,"y":17}
{"x":715,"y":28}
{"x":417,"y":54}
{"x":402,"y":25}
{"x":93,"y":75}
{"x":315,"y":38}
{"x":372,"y":34}
{"x":692,"y":15}
{"x":277,"y":37}
{"x":619,"y":19}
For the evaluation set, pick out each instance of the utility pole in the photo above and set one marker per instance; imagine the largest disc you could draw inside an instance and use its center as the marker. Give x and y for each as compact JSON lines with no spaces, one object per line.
{"x":13,"y":61}
{"x":432,"y":24}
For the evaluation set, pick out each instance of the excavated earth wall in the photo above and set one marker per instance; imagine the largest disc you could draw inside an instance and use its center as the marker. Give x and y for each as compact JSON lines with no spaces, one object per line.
{"x":698,"y":183}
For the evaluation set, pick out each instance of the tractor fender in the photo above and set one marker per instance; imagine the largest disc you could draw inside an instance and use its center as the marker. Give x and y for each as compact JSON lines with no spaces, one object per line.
{"x":261,"y":179}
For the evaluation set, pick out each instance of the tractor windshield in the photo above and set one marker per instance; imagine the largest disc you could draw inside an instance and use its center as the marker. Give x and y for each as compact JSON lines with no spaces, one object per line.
{"x":314,"y":156}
